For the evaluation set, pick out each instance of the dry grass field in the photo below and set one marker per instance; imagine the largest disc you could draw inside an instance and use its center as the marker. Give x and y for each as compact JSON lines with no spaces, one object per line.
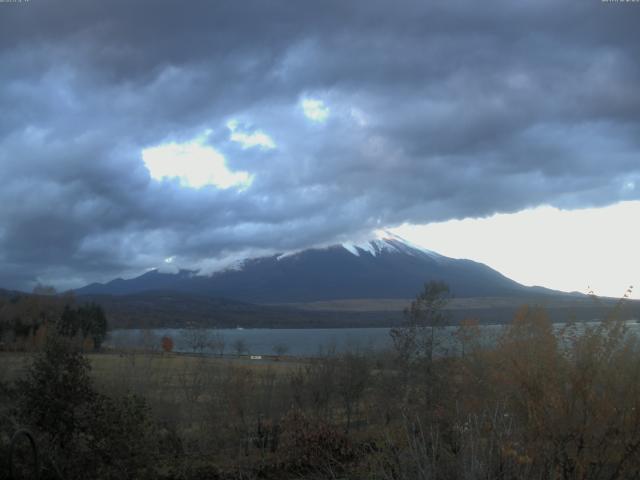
{"x":398,"y":305}
{"x":156,"y":371}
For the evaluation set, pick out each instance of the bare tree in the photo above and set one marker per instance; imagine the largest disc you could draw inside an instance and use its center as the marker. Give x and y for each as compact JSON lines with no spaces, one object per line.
{"x":149,"y":340}
{"x":352,"y":378}
{"x":240,"y":346}
{"x":217,"y":343}
{"x":417,"y":337}
{"x":468,"y":335}
{"x":197,"y":339}
{"x":280,"y":349}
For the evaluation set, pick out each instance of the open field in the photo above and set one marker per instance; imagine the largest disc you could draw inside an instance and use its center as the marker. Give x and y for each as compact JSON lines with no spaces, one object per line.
{"x":203,"y":400}
{"x":160,"y":370}
{"x":209,"y":403}
{"x":399,"y":304}
{"x":487,"y":310}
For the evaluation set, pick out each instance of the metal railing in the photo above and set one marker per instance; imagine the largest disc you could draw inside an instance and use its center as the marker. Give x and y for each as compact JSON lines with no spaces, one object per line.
{"x":34,"y":450}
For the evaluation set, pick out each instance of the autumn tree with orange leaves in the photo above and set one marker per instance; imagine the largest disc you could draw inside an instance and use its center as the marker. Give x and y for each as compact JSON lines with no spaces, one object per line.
{"x":167,"y":344}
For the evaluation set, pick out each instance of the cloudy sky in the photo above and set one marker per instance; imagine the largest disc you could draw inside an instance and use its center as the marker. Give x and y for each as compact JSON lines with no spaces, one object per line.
{"x":134,"y":134}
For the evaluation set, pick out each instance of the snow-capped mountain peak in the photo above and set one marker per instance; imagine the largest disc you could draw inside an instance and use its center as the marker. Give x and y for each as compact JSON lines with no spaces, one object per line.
{"x":386,"y":241}
{"x":382,"y":266}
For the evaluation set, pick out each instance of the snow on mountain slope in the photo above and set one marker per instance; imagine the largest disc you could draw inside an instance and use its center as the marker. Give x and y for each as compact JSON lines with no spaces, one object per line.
{"x":389,"y":242}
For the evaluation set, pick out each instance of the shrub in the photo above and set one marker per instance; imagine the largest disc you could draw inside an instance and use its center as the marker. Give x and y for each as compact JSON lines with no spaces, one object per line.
{"x":84,"y":434}
{"x":167,"y":344}
{"x":313,"y":446}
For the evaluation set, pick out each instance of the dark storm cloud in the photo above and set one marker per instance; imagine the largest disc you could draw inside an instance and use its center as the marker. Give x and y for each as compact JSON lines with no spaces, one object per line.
{"x":437,"y":110}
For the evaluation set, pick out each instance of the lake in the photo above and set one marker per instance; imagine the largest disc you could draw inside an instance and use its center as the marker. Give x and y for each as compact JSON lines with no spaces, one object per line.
{"x":261,"y":341}
{"x":297,"y":341}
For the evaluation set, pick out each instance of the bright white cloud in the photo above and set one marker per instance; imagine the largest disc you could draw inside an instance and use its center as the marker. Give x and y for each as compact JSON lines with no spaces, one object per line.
{"x":248,"y":140}
{"x":315,"y":109}
{"x":194,"y":164}
{"x":572,"y":250}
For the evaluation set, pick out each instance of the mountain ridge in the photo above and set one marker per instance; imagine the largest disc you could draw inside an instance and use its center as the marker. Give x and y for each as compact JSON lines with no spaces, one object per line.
{"x":384,"y":267}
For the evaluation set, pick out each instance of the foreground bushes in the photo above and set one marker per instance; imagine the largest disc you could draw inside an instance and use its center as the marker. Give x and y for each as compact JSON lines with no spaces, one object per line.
{"x":537,"y":404}
{"x":81,"y":433}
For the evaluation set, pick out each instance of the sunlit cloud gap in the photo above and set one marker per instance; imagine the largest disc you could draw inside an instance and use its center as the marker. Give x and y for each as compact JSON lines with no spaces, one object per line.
{"x":315,"y":110}
{"x":194,"y":165}
{"x":250,"y":139}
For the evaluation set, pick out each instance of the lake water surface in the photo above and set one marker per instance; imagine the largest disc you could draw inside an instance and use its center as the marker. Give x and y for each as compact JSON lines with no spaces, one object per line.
{"x":262,"y":341}
{"x":298,"y":341}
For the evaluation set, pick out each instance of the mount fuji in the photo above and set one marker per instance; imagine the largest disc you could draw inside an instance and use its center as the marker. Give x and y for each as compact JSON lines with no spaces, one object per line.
{"x":383,"y":267}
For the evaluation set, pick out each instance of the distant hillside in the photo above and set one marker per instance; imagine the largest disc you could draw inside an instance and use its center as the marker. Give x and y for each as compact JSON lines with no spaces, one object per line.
{"x":178,"y":309}
{"x":156,"y":309}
